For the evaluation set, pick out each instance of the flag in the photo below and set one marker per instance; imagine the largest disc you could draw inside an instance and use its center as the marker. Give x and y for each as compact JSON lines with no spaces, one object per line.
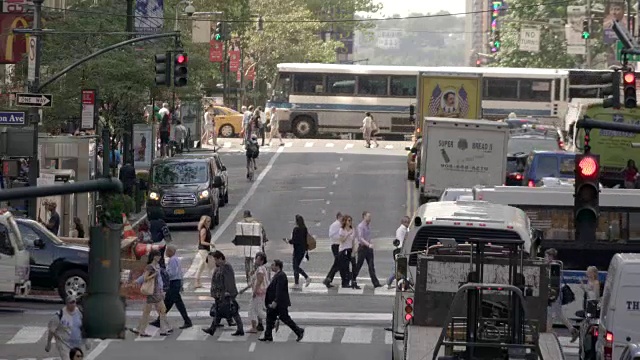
{"x":464,"y":103}
{"x":434,"y":103}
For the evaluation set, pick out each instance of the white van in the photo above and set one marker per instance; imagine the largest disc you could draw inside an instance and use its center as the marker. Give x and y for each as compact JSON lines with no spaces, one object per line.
{"x":14,"y":258}
{"x":620,"y":307}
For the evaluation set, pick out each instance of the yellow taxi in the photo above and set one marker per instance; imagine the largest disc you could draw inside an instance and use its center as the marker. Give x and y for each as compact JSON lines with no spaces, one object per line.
{"x":228,"y":121}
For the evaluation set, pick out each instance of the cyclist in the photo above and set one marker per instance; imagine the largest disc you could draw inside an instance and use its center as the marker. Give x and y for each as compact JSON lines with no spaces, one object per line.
{"x":251,"y":251}
{"x":252,"y":153}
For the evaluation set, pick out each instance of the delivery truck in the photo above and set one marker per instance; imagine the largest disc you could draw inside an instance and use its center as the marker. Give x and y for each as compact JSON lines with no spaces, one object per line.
{"x":461,"y":153}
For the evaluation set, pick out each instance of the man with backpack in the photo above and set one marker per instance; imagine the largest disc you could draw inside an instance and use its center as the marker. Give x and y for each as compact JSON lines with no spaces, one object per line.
{"x":252,"y":152}
{"x":66,"y":329}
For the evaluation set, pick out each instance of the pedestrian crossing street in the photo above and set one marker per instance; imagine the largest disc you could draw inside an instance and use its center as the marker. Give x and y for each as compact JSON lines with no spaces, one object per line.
{"x":234,"y":145}
{"x":31,"y":335}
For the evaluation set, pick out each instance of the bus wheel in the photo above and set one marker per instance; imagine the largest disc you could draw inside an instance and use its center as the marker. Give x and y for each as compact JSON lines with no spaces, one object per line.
{"x":303,"y":127}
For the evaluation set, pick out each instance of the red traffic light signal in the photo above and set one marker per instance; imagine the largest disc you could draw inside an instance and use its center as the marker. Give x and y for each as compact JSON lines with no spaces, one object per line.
{"x":629,"y":86}
{"x":630,"y":79}
{"x":181,"y":58}
{"x":588,"y":166}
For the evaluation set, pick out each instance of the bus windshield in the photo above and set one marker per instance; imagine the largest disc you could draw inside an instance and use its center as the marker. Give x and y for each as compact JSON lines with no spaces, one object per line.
{"x":282,"y":88}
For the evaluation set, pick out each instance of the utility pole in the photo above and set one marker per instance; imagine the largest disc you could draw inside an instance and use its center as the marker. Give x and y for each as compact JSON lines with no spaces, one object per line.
{"x":34,"y":115}
{"x":588,"y":41}
{"x":128,"y":131}
{"x":225,"y":62}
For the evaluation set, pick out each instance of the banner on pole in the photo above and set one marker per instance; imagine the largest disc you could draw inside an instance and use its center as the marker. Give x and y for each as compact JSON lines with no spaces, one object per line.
{"x":216,"y":51}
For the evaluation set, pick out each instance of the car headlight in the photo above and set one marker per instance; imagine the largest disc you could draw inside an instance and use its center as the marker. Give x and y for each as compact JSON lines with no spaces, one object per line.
{"x":203,"y":194}
{"x":154,"y":195}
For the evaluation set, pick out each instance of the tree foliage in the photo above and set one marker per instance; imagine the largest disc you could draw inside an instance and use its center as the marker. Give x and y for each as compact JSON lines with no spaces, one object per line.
{"x":553,"y":46}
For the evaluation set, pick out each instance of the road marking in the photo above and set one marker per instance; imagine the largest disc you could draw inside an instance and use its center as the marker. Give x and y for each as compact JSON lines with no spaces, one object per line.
{"x":102,"y":346}
{"x":28,"y":335}
{"x":333,"y":183}
{"x":388,"y":338}
{"x":313,"y":288}
{"x":335,"y":176}
{"x":350,"y":291}
{"x":408,"y":205}
{"x":338,"y":168}
{"x":282,"y":335}
{"x":317,"y":334}
{"x":252,"y":347}
{"x":231,"y":218}
{"x":310,"y":200}
{"x":328,"y":202}
{"x":330,"y":192}
{"x":330,"y":145}
{"x":389,"y":147}
{"x":323,"y":211}
{"x":289,"y":144}
{"x":313,"y":187}
{"x":348,"y":146}
{"x":153,"y":332}
{"x":226,"y":337}
{"x":340,"y":159}
{"x":357,"y":335}
{"x":194,"y":333}
{"x":308,"y":144}
{"x":227,"y":144}
{"x":384,"y":291}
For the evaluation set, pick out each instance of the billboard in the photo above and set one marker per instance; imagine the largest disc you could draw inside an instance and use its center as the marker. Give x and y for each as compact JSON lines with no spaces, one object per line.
{"x":614,"y":11}
{"x":149,"y":16}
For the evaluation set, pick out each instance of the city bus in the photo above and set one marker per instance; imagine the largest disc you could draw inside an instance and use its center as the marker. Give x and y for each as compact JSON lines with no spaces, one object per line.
{"x":333,"y":98}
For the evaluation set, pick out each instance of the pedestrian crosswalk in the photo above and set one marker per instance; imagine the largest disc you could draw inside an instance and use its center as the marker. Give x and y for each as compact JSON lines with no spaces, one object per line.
{"x":235,"y":146}
{"x":31,"y":335}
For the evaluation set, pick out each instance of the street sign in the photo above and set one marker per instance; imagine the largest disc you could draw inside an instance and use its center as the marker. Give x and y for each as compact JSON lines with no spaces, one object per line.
{"x":88,"y":99}
{"x":530,"y":39}
{"x":34,"y":100}
{"x":12,"y":118}
{"x":31,"y":73}
{"x":619,"y":47}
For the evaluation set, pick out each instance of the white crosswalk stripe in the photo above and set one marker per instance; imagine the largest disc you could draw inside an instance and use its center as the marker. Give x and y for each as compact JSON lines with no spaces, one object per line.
{"x":330,"y":145}
{"x":313,"y":334}
{"x":234,"y":146}
{"x":308,"y":144}
{"x":348,"y":146}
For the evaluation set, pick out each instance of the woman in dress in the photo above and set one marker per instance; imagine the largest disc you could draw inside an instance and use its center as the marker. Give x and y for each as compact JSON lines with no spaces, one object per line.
{"x":204,"y":245}
{"x":155,"y":300}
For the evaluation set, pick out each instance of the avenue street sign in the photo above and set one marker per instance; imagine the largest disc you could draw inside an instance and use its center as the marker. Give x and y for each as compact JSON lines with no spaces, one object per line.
{"x":12,"y":118}
{"x":34,"y":100}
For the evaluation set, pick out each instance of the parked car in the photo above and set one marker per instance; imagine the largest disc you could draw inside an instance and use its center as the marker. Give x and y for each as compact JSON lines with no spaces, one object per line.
{"x":182,"y":189}
{"x":631,"y":352}
{"x":228,"y":121}
{"x":53,"y":263}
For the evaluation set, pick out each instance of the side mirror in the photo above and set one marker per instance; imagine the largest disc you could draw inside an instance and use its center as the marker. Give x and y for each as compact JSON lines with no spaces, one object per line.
{"x":223,"y":168}
{"x":396,"y":242}
{"x":39,"y":243}
{"x":217,"y":182}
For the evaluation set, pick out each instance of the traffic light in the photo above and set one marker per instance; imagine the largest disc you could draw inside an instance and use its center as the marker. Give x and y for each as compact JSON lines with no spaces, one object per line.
{"x":629,"y":79}
{"x":412,"y":113}
{"x":104,"y":309}
{"x":611,"y":91}
{"x":496,"y":40}
{"x":219,"y":33}
{"x":163,"y":68}
{"x":585,"y":29}
{"x":587,"y":193}
{"x":180,"y":70}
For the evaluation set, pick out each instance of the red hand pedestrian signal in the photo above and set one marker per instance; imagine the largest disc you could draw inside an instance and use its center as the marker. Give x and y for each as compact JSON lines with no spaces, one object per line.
{"x":588,"y":166}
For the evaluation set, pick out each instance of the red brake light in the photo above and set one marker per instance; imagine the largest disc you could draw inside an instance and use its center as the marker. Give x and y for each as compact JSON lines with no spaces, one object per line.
{"x":561,"y":144}
{"x":518,"y":176}
{"x":531,"y":184}
{"x":588,"y":166}
{"x":609,"y":337}
{"x":422,"y":180}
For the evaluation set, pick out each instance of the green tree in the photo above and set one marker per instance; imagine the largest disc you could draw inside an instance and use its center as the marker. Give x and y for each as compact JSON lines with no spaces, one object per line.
{"x":553,"y":48}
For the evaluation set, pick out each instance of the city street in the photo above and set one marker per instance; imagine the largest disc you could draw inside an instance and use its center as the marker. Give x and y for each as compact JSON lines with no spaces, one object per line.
{"x":313,"y":178}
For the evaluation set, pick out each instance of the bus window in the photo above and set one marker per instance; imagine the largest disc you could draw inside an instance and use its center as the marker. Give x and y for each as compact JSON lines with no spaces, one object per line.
{"x":535,"y":90}
{"x":307,"y":83}
{"x":403,"y":86}
{"x":341,"y":84}
{"x":372,"y":85}
{"x":500,"y":89}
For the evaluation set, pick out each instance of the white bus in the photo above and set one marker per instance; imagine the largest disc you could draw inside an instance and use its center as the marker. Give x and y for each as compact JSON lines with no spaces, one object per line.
{"x":332,"y":98}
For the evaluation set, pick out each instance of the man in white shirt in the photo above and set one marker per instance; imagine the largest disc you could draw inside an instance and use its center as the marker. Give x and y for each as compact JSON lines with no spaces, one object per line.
{"x":334,"y":236}
{"x":164,"y":111}
{"x":401,"y":236}
{"x":247,"y":114}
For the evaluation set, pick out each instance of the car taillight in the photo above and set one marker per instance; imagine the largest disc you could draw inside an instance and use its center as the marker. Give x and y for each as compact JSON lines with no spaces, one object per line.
{"x":594,"y":331}
{"x":531,"y":184}
{"x":422,"y":180}
{"x":608,"y":346}
{"x":518,"y":176}
{"x":561,"y":144}
{"x":408,"y":309}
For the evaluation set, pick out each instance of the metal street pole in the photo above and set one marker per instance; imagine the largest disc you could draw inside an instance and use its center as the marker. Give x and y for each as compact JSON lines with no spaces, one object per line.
{"x":225,"y":70}
{"x":588,"y":41}
{"x":34,"y":115}
{"x":128,"y":132}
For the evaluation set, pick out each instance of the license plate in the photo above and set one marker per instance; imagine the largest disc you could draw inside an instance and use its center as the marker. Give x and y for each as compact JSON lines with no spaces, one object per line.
{"x":178,"y":212}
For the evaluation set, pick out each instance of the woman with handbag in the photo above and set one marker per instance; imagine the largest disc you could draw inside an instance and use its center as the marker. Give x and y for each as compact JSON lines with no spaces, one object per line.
{"x":299,"y":242}
{"x":347,"y":238}
{"x":152,"y":286}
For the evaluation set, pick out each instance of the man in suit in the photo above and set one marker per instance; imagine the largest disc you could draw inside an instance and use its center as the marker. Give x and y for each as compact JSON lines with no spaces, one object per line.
{"x":277,"y":302}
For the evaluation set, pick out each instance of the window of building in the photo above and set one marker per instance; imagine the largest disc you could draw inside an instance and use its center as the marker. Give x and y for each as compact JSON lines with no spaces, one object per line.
{"x":372,"y":85}
{"x":403,"y":86}
{"x":307,"y":83}
{"x":341,"y":84}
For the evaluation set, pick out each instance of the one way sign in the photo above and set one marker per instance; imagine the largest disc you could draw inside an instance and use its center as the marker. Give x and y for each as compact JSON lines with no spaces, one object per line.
{"x":34,"y":100}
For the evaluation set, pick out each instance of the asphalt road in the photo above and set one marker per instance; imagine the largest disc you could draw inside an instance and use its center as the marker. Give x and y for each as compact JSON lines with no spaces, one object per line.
{"x":313,"y":178}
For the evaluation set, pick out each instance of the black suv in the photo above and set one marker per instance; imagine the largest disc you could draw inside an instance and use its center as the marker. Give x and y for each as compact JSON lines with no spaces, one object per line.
{"x":54,"y":264}
{"x":221,"y":171}
{"x":183,"y":189}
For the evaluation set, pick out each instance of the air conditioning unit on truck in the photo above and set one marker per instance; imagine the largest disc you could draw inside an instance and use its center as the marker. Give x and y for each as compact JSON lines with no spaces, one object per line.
{"x":14,"y":258}
{"x":467,"y":288}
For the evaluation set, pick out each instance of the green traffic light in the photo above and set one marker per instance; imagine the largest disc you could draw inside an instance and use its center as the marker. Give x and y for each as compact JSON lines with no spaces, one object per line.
{"x":218,"y":37}
{"x":496,"y":44}
{"x":585,"y":35}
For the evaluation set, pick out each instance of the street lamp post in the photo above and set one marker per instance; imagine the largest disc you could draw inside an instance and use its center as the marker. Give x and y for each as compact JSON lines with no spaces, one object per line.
{"x":189,"y":10}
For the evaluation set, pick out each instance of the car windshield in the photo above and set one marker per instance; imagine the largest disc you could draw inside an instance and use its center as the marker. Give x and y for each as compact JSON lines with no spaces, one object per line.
{"x":517,"y":123}
{"x":527,"y":145}
{"x":179,"y":173}
{"x":43,"y":229}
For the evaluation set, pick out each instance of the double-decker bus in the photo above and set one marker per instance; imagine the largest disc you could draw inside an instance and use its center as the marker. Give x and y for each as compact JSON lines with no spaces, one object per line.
{"x":332,"y":98}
